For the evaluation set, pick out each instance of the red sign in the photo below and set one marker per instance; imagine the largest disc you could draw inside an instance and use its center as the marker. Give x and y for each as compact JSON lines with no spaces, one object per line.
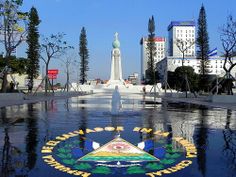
{"x":52,"y":76}
{"x":53,"y":71}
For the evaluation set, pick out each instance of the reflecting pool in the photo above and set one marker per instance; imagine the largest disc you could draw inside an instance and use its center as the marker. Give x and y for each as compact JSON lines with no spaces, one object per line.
{"x":80,"y":137}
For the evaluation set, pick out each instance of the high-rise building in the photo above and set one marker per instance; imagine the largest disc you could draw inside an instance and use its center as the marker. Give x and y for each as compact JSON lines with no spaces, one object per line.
{"x":160,"y":53}
{"x":181,"y":31}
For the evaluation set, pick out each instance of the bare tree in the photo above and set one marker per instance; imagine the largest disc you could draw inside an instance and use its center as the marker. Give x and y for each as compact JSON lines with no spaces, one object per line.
{"x":13,"y":30}
{"x":183,"y":46}
{"x":69,"y":62}
{"x":228,"y":40}
{"x":52,"y":47}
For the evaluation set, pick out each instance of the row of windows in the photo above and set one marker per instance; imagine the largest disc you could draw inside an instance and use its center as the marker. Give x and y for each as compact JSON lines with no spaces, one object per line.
{"x":187,"y":61}
{"x":180,"y":35}
{"x":190,"y":31}
{"x":160,"y":56}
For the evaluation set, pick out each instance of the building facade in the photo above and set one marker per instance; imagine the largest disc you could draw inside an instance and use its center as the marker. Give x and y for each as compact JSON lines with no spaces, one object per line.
{"x":160,"y":53}
{"x":181,"y":31}
{"x":133,"y":79}
{"x":215,"y":65}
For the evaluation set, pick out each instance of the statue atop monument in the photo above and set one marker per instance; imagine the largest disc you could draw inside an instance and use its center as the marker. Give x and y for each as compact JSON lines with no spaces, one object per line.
{"x":116,"y":69}
{"x":116,"y":43}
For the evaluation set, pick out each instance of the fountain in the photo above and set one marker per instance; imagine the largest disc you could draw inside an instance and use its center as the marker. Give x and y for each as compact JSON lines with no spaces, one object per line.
{"x":116,"y":102}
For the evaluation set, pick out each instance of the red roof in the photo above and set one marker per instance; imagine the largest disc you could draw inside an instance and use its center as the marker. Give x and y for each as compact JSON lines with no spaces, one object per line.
{"x":157,"y":39}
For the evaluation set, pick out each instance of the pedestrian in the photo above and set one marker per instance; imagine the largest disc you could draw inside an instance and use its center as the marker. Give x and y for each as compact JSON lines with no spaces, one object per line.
{"x":144,"y":89}
{"x":12,"y":85}
{"x":30,"y":87}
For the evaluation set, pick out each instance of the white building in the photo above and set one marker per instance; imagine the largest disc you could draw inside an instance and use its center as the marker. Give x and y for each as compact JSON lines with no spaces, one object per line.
{"x":133,"y":78}
{"x":183,"y":31}
{"x":160,"y":49}
{"x":215,"y":65}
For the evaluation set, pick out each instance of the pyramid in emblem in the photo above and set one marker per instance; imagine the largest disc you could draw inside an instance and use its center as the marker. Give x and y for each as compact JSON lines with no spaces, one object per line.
{"x":118,"y":150}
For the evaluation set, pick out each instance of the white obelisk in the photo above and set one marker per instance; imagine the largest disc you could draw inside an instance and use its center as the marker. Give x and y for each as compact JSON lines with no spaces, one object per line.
{"x":116,"y":69}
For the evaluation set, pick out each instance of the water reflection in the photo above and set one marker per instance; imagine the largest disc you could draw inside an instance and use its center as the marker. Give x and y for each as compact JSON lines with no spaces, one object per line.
{"x":229,"y":136}
{"x":200,"y":138}
{"x":83,"y":123}
{"x":31,"y":137}
{"x":24,"y":129}
{"x":13,"y":159}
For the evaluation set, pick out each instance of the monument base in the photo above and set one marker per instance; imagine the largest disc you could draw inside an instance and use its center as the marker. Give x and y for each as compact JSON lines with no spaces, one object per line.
{"x":113,"y":83}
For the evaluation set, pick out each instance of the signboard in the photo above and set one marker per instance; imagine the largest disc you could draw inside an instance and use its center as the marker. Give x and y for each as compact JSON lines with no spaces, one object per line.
{"x":51,"y":76}
{"x":53,"y":71}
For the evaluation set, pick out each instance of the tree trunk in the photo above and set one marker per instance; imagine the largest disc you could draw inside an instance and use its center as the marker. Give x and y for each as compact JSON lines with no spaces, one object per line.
{"x":4,"y":83}
{"x":46,"y":80}
{"x":67,"y":78}
{"x":229,"y":83}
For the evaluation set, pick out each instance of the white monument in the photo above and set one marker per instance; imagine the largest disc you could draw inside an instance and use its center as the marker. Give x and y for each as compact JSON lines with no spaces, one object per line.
{"x":116,"y":69}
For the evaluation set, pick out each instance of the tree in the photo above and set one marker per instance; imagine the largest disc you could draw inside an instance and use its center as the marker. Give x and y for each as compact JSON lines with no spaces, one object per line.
{"x":183,"y":46}
{"x":13,"y":30}
{"x":17,"y":65}
{"x":84,"y":56}
{"x":192,"y":80}
{"x":68,"y":63}
{"x":52,"y":47}
{"x":203,"y":42}
{"x":151,"y":52}
{"x":33,"y":45}
{"x":228,"y":40}
{"x":203,"y":49}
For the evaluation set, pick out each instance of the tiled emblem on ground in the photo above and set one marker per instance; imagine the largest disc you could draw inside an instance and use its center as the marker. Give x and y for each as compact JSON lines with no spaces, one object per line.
{"x":159,"y":155}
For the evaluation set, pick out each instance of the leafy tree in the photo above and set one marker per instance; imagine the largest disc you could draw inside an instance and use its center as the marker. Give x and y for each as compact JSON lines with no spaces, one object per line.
{"x":12,"y":28}
{"x":181,"y":84}
{"x":52,"y":47}
{"x":33,"y":45}
{"x":228,"y":40}
{"x":17,"y":65}
{"x":84,"y":56}
{"x":203,"y":42}
{"x":151,"y":52}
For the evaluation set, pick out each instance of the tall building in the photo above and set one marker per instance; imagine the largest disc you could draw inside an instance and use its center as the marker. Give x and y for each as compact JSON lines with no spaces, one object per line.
{"x":160,"y":53}
{"x":183,"y":31}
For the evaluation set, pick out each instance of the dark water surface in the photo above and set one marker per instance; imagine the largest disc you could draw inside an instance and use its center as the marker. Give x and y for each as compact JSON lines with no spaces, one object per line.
{"x":25,"y":129}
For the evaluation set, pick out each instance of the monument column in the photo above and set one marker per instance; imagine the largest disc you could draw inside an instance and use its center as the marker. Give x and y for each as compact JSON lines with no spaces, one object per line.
{"x":116,"y":68}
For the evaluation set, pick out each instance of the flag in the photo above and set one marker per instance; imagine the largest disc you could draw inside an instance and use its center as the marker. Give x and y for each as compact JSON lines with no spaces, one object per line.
{"x":77,"y":152}
{"x":159,"y":152}
{"x":146,"y":145}
{"x":91,"y":145}
{"x":212,"y":53}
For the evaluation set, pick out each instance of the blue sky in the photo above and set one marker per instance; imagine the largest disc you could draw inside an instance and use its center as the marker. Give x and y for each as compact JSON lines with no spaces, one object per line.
{"x":102,"y":18}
